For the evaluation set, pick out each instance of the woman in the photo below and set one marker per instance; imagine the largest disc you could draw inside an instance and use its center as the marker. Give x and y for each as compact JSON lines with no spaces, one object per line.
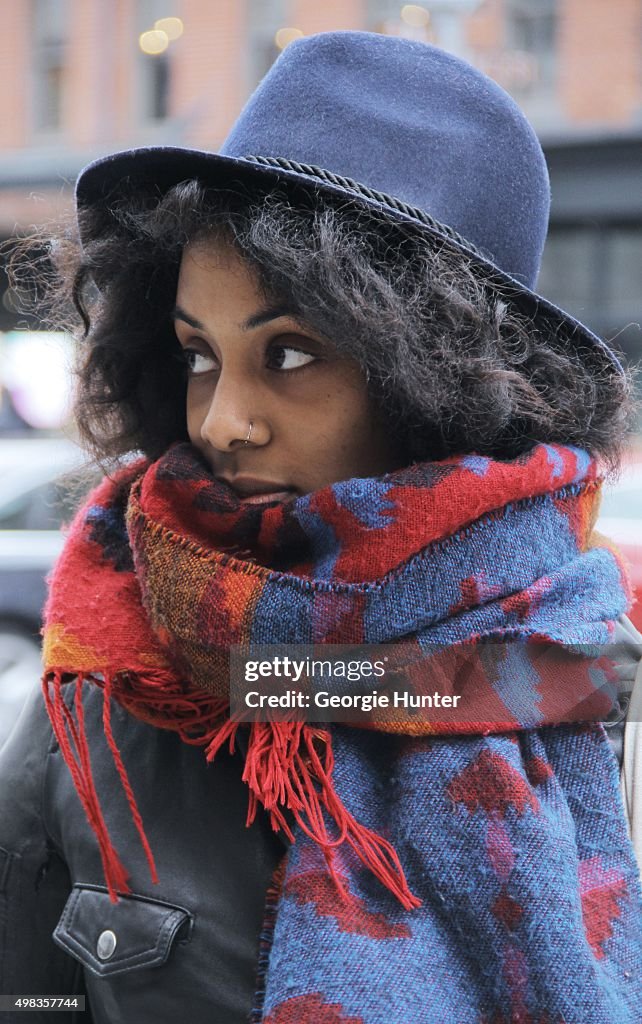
{"x":359,"y":426}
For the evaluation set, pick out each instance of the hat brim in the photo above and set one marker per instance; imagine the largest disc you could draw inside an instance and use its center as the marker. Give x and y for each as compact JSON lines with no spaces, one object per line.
{"x":156,"y":169}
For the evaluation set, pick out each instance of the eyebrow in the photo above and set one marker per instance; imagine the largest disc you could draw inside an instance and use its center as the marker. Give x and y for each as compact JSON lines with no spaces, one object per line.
{"x":256,"y":320}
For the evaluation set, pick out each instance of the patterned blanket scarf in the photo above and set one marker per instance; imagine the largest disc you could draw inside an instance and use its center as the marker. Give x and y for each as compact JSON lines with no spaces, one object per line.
{"x":480,"y":877}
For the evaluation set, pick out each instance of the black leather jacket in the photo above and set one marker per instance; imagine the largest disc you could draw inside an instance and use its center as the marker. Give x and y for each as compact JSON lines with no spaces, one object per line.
{"x":185,"y":949}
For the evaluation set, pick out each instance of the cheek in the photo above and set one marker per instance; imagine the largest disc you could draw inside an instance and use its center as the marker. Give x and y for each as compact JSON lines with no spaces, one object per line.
{"x":364,"y":442}
{"x":348,"y":425}
{"x":357,"y":420}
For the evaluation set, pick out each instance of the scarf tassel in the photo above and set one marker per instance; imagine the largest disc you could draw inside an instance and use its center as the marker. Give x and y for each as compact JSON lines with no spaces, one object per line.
{"x":68,"y":732}
{"x":285,"y":772}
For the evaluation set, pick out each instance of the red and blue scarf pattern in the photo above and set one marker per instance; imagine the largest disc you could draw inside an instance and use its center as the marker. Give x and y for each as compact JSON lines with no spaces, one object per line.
{"x":510,"y":891}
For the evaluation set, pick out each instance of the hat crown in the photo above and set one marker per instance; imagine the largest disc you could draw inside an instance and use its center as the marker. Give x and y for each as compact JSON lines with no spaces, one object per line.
{"x":412,"y":121}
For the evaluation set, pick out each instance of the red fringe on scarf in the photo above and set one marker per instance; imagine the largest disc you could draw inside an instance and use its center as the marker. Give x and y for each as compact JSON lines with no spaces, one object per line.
{"x":284,"y":769}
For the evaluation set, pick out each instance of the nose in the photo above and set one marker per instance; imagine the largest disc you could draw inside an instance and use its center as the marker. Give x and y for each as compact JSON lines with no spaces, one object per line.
{"x":233,"y":406}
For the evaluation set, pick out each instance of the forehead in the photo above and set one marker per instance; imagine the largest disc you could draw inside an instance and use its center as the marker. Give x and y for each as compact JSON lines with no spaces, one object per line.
{"x":212,"y":255}
{"x":213,"y":273}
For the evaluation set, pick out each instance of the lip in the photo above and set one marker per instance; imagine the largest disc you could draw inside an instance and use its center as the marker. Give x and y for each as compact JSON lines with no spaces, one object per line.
{"x":268,"y":498}
{"x":254,"y":491}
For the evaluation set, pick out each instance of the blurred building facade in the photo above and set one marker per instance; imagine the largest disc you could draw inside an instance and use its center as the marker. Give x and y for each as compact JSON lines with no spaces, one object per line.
{"x":85,"y":77}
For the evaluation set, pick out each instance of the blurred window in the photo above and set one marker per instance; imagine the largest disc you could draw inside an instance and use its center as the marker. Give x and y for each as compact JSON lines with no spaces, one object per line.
{"x":157,"y":92}
{"x":383,"y":15}
{"x":531,"y":29}
{"x":154,"y":70}
{"x":594,"y":268}
{"x":568,"y":267}
{"x":595,"y":272}
{"x":50,"y":21}
{"x":625,"y":245}
{"x":265,"y":18}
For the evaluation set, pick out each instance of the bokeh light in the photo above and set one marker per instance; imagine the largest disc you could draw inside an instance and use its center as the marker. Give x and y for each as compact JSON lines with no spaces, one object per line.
{"x":285,"y":36}
{"x":172,"y":27}
{"x":153,"y":42}
{"x":415,"y":16}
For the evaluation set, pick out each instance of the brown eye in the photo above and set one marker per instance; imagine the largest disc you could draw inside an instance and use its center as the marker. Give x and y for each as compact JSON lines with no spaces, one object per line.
{"x":197,"y":362}
{"x":284,"y":357}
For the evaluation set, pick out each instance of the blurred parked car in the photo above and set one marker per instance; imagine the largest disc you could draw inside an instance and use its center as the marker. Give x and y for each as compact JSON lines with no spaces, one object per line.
{"x":621,"y":521}
{"x":34,"y":502}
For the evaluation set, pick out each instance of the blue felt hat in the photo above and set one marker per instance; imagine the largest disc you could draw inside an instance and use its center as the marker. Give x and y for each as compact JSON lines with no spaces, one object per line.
{"x":397,"y":126}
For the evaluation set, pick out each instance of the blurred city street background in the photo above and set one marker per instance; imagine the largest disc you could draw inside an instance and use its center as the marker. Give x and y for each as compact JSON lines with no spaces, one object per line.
{"x":86,"y":77}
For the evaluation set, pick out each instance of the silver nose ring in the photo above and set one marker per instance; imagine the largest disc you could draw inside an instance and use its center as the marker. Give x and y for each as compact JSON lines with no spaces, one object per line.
{"x":249,"y":433}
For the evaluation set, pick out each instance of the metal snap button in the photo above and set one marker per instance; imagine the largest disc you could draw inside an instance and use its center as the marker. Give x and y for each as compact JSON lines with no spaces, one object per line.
{"x":106,"y":945}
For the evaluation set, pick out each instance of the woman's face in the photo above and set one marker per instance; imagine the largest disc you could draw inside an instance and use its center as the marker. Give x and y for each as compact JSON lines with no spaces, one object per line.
{"x":313,"y":422}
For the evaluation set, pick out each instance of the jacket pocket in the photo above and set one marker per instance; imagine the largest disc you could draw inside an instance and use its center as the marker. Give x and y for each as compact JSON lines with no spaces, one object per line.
{"x":112,"y":938}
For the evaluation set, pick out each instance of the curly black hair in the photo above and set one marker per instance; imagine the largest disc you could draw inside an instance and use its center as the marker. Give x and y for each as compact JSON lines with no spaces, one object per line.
{"x":454,"y":363}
